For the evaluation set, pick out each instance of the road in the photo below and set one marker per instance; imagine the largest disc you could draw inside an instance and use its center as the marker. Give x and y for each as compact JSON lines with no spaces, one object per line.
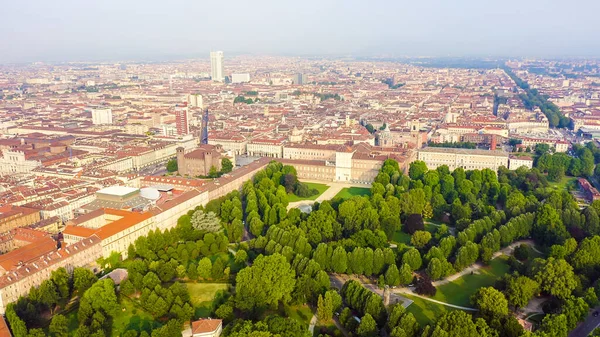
{"x":587,"y":326}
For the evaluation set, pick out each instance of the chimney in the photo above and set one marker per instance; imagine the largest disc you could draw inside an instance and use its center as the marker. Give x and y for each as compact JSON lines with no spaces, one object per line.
{"x":493,"y":143}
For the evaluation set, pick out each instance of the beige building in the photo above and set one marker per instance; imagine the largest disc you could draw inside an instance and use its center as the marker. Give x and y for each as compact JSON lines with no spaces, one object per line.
{"x":266,"y":148}
{"x":557,"y":145}
{"x":18,"y":281}
{"x":235,"y":143}
{"x":199,"y":161}
{"x":468,"y":159}
{"x":15,"y":216}
{"x":515,"y":162}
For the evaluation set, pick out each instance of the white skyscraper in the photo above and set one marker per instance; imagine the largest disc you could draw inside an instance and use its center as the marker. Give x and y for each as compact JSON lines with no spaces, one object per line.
{"x":217,"y":73}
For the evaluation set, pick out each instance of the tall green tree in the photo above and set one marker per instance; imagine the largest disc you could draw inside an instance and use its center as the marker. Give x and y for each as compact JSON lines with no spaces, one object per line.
{"x":268,"y":281}
{"x":490,"y":302}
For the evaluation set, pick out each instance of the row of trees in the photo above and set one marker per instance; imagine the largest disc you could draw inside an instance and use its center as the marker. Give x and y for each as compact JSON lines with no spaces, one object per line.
{"x":532,"y":98}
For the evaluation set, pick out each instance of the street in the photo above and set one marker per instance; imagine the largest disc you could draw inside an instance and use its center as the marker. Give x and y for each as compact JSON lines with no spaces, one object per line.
{"x":585,"y":328}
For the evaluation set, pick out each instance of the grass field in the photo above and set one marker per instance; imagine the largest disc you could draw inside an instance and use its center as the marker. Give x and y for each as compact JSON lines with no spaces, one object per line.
{"x":320,"y":187}
{"x":132,"y":317}
{"x":203,"y":296}
{"x":301,"y":313}
{"x":129,"y":317}
{"x":349,"y":192}
{"x":327,"y":328}
{"x":460,"y":290}
{"x":564,"y":183}
{"x":426,"y":312}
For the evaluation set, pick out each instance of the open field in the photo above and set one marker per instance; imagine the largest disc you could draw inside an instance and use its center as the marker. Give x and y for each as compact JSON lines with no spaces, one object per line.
{"x":203,"y":295}
{"x":459,"y":291}
{"x":320,"y":187}
{"x":349,"y":192}
{"x":564,"y":183}
{"x":301,"y":313}
{"x":426,"y":312}
{"x":132,"y":317}
{"x":328,"y":328}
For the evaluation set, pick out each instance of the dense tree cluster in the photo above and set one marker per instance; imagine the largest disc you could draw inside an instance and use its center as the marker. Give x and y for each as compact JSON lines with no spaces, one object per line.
{"x":559,"y":164}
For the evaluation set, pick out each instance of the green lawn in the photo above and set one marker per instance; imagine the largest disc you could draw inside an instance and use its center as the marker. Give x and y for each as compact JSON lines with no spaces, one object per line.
{"x":320,"y":187}
{"x":129,"y":317}
{"x":401,"y":237}
{"x":564,"y":183}
{"x":460,"y":290}
{"x":203,"y":296}
{"x":349,"y":192}
{"x":327,"y":328}
{"x":301,"y":313}
{"x":132,"y":317}
{"x":426,"y":312}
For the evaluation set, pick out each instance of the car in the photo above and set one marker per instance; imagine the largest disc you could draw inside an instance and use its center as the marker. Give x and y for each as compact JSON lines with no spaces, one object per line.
{"x":596,"y":313}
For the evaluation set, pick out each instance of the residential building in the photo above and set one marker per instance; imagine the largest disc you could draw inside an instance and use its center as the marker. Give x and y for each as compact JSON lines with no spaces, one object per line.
{"x":17,"y":281}
{"x":182,"y":119}
{"x":299,"y":79}
{"x":12,"y":217}
{"x":240,"y":78}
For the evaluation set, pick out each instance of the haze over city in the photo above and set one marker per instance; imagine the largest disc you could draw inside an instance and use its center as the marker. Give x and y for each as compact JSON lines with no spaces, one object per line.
{"x":164,"y":30}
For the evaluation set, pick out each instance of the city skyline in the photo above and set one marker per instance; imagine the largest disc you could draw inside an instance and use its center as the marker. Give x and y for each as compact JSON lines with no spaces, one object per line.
{"x":63,"y":31}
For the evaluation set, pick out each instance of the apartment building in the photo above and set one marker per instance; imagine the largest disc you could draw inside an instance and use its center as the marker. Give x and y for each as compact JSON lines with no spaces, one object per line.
{"x":15,"y":216}
{"x":18,"y":281}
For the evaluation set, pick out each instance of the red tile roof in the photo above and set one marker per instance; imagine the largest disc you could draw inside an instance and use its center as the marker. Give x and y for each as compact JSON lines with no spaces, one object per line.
{"x":205,"y":325}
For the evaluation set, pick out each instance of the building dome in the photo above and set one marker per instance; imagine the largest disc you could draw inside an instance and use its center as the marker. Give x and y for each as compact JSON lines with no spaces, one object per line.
{"x":150,"y":193}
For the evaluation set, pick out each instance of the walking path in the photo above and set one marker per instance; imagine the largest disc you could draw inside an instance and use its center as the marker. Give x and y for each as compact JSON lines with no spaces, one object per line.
{"x":412,"y":293}
{"x":338,"y":280}
{"x":504,"y":251}
{"x":334,"y":188}
{"x":311,"y":326}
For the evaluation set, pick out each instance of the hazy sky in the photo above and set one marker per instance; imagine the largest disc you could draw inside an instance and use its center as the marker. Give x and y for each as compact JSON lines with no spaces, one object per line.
{"x":61,"y":30}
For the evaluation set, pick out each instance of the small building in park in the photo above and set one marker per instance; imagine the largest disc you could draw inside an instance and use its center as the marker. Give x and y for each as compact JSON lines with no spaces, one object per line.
{"x":207,"y":327}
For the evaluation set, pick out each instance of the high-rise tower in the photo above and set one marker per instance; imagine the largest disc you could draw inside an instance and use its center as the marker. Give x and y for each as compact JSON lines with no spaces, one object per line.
{"x":217,"y":73}
{"x":182,"y":119}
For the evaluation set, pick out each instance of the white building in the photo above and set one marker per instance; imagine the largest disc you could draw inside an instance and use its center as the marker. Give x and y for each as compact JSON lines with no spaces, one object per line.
{"x":515,"y":162}
{"x":217,"y":72}
{"x":195,"y":101}
{"x":14,"y":162}
{"x":468,"y":159}
{"x":102,"y":116}
{"x":240,"y":78}
{"x":343,"y":165}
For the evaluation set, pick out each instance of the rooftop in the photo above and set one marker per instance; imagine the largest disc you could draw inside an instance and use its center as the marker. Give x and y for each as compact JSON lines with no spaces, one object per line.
{"x":117,"y":190}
